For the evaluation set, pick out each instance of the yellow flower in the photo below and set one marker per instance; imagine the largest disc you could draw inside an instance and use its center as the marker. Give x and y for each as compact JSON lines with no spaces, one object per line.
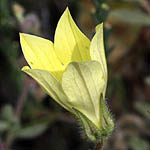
{"x":72,"y":70}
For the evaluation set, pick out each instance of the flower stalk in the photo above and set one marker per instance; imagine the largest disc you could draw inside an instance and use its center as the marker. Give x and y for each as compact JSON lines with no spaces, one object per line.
{"x":99,"y":145}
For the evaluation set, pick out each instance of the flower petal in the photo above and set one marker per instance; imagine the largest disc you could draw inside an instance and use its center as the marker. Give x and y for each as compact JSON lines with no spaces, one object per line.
{"x":51,"y":86}
{"x":70,"y":43}
{"x":83,"y":83}
{"x":97,"y":51}
{"x":40,"y":54}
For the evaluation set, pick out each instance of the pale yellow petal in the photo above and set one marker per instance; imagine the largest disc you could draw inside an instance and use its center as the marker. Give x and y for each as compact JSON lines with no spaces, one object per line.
{"x":97,"y":50}
{"x":50,"y":85}
{"x":40,"y":54}
{"x":70,"y":43}
{"x":83,"y":83}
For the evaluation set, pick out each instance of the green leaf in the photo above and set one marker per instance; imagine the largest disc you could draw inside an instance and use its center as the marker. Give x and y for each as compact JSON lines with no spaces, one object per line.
{"x":97,"y":3}
{"x":3,"y":125}
{"x":138,"y":143}
{"x":131,"y":16}
{"x":32,"y":131}
{"x":9,"y":115}
{"x":143,"y":108}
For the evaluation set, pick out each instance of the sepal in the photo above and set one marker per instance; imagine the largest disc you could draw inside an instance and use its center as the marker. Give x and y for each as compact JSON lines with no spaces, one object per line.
{"x":90,"y":130}
{"x":106,"y":119}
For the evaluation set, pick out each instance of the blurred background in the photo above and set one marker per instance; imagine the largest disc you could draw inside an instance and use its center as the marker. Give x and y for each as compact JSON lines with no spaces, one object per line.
{"x":31,"y":120}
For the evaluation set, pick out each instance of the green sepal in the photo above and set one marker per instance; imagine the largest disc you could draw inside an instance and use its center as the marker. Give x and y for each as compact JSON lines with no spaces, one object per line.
{"x":106,"y":124}
{"x":106,"y":121}
{"x":89,"y":129}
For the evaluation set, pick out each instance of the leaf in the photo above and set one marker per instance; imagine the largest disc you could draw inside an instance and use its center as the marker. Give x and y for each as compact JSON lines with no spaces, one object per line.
{"x":131,"y":16}
{"x":83,"y":83}
{"x":32,"y":131}
{"x":9,"y":115}
{"x":138,"y":143}
{"x":3,"y":125}
{"x":70,"y":43}
{"x":143,"y":108}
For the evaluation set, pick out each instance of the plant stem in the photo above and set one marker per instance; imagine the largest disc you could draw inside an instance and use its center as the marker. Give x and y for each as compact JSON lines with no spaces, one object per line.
{"x":9,"y":140}
{"x":99,"y":145}
{"x":22,"y":98}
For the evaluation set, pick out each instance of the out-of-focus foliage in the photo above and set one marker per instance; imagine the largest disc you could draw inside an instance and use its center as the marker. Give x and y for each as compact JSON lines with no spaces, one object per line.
{"x":31,"y":120}
{"x":130,"y":16}
{"x":138,"y":143}
{"x":9,"y":48}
